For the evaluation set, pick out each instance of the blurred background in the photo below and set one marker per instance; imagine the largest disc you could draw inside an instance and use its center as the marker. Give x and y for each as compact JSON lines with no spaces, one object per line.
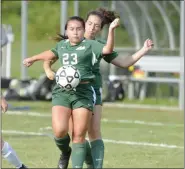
{"x":142,"y":120}
{"x":30,"y":27}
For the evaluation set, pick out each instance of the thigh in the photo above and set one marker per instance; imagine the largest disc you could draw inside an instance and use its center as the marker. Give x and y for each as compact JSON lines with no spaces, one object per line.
{"x":60,"y":120}
{"x":96,"y":118}
{"x":81,"y":119}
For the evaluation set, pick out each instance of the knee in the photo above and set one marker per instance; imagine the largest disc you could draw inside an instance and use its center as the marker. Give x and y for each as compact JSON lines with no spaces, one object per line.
{"x":60,"y":133}
{"x":79,"y":136}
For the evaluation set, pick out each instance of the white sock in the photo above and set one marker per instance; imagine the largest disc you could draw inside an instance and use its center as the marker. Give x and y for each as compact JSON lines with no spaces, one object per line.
{"x":9,"y":154}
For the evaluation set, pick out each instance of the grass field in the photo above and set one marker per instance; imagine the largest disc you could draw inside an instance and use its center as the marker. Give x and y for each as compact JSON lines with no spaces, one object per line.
{"x":134,"y":138}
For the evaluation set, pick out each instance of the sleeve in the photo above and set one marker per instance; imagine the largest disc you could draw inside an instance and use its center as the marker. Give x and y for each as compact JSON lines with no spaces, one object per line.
{"x":108,"y":58}
{"x":97,"y":48}
{"x":55,"y":50}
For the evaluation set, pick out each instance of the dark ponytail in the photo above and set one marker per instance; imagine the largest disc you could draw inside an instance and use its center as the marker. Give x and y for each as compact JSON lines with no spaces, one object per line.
{"x":60,"y":37}
{"x":109,"y":16}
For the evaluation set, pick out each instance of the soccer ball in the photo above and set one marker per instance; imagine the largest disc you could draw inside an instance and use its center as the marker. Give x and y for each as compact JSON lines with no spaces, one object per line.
{"x":68,"y":77}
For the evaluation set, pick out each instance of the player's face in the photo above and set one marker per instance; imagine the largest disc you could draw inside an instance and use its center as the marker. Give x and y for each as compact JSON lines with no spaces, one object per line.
{"x":92,"y":26}
{"x":75,"y":31}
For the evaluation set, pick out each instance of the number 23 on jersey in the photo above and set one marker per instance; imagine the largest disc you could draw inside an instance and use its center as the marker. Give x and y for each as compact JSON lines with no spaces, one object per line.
{"x":70,"y":59}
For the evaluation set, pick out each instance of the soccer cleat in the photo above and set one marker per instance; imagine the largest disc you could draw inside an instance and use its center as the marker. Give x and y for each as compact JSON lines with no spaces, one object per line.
{"x":23,"y":167}
{"x":64,"y":160}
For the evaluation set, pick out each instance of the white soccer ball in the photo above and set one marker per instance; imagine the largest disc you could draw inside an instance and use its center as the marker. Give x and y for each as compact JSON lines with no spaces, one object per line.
{"x":68,"y":77}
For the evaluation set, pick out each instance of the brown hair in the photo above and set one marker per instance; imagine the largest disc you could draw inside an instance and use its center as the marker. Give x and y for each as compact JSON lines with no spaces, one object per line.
{"x":106,"y":16}
{"x":60,"y":37}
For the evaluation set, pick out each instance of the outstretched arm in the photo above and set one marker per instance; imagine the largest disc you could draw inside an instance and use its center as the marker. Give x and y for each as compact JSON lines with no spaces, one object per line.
{"x":123,"y":62}
{"x":47,"y":68}
{"x":108,"y":48}
{"x":47,"y":55}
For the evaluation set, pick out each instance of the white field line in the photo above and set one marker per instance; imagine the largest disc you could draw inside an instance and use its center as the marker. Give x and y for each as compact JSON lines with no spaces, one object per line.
{"x":36,"y":114}
{"x":16,"y":132}
{"x":140,"y":106}
{"x":45,"y":128}
{"x":142,"y":122}
{"x":105,"y":140}
{"x":143,"y":144}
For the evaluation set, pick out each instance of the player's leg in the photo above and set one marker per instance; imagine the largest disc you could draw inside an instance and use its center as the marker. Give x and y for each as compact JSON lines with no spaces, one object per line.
{"x":81,"y":119}
{"x":83,"y":103}
{"x":88,"y":158}
{"x":94,"y":133}
{"x":61,"y":113}
{"x":10,"y":155}
{"x":60,"y":119}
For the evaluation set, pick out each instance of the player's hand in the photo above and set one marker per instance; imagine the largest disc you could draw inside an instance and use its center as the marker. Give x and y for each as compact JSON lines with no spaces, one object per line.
{"x":4,"y":105}
{"x":148,"y":44}
{"x":115,"y":23}
{"x":28,"y":62}
{"x":50,"y":74}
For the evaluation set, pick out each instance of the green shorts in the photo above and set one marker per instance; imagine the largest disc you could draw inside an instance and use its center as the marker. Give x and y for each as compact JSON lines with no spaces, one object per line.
{"x":98,"y":92}
{"x":84,"y":96}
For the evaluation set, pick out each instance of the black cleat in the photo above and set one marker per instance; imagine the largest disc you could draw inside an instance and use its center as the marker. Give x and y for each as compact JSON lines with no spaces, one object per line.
{"x":23,"y":167}
{"x":64,"y":160}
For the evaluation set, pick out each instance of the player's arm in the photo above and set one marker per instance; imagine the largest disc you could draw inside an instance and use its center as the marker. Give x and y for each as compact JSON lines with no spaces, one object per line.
{"x":47,"y":68}
{"x":108,"y":48}
{"x":123,"y":62}
{"x":47,"y":55}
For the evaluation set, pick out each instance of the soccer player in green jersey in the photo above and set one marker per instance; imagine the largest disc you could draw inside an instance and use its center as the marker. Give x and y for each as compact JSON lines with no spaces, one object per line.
{"x":95,"y":22}
{"x":83,"y":54}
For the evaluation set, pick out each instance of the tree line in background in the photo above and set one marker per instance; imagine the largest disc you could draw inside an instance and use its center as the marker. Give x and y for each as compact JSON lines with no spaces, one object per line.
{"x":44,"y":19}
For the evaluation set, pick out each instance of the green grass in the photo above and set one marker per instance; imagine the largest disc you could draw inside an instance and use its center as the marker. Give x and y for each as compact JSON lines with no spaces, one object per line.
{"x":34,"y":47}
{"x":40,"y":151}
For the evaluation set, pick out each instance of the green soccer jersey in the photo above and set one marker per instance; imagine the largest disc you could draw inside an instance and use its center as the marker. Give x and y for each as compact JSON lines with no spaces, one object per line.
{"x":96,"y":68}
{"x":83,"y":56}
